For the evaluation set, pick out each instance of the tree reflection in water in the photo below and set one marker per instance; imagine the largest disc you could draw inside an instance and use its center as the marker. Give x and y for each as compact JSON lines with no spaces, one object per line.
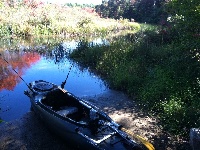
{"x":19,"y":61}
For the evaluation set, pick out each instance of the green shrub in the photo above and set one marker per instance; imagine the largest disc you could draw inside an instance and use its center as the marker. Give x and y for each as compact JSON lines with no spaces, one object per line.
{"x":163,"y":75}
{"x":178,"y":116}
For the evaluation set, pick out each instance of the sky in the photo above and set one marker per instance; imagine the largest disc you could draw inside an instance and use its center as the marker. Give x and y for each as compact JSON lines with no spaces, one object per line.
{"x":75,"y":1}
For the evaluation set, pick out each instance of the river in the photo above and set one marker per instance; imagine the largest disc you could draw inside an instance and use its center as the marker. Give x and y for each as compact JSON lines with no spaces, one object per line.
{"x":41,"y":63}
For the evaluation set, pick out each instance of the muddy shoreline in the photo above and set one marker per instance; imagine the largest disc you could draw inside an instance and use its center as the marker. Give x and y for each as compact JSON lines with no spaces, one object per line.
{"x":29,"y":133}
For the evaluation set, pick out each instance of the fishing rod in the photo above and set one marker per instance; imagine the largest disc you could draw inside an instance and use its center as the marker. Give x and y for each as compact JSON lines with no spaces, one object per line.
{"x":64,"y":82}
{"x":16,"y":73}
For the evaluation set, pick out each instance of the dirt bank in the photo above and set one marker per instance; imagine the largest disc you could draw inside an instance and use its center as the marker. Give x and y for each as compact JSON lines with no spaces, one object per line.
{"x":30,"y":133}
{"x":126,"y":112}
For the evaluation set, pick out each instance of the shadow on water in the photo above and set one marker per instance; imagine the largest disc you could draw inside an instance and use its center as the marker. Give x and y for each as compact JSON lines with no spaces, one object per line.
{"x":40,"y":60}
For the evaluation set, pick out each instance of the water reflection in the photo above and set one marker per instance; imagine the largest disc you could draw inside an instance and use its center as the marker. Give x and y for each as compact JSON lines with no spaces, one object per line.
{"x":59,"y":53}
{"x":51,"y":65}
{"x":19,"y":61}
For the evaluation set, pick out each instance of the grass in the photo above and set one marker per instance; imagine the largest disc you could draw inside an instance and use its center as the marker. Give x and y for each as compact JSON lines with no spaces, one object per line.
{"x":23,"y":20}
{"x":160,"y":72}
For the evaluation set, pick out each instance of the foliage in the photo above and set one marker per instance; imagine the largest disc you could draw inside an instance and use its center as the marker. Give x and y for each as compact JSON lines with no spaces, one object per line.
{"x":185,"y":15}
{"x":163,"y":74}
{"x":150,"y":11}
{"x":80,"y":5}
{"x":27,"y":18}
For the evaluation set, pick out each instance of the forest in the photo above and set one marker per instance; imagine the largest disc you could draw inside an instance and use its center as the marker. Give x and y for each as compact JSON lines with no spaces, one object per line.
{"x":149,"y":11}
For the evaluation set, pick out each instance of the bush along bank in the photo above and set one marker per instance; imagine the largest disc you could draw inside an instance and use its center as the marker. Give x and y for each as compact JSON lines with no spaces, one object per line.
{"x":35,"y":19}
{"x":162,"y":74}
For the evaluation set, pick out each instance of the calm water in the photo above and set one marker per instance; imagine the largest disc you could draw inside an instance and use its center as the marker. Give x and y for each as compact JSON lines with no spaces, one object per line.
{"x":52,"y":65}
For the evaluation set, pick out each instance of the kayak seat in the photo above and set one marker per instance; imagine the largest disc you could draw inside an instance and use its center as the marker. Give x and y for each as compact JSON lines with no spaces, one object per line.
{"x":55,"y":99}
{"x":67,"y":110}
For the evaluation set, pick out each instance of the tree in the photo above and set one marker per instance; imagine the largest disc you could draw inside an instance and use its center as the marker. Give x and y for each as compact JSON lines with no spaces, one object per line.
{"x":150,"y":11}
{"x":185,"y":15}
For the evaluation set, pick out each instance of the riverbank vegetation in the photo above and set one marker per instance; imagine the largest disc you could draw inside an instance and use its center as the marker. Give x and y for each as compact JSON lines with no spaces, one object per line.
{"x":34,"y":18}
{"x":159,"y":65}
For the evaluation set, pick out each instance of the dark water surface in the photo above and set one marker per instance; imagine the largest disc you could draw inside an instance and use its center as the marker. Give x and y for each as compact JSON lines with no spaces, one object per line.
{"x":52,"y":65}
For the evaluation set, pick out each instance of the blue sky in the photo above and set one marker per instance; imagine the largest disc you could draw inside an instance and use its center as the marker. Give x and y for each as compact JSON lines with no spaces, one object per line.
{"x":75,"y":1}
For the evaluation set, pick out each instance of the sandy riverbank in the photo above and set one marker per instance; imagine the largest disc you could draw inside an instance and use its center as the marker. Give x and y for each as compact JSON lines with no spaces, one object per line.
{"x":29,"y":133}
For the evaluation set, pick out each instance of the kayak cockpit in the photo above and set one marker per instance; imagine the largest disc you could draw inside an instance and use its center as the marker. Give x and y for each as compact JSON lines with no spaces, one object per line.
{"x":67,"y":106}
{"x":57,"y":99}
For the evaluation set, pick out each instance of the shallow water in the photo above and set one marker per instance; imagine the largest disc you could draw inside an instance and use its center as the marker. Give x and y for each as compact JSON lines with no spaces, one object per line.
{"x":52,"y":65}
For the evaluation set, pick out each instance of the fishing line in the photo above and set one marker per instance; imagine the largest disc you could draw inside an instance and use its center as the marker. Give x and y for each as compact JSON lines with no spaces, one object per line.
{"x":16,"y":72}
